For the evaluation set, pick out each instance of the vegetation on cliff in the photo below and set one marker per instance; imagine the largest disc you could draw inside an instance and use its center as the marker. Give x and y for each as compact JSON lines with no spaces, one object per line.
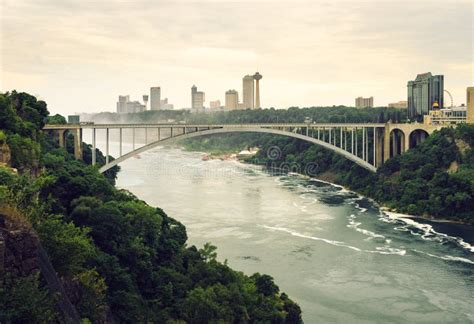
{"x":118,"y":257}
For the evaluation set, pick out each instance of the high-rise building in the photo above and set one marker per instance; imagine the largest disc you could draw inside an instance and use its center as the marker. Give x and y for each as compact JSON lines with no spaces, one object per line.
{"x":155,"y":98}
{"x":248,"y":92}
{"x":134,"y":107}
{"x":424,"y":92}
{"x":122,"y":104}
{"x":470,"y":105}
{"x":125,"y":106}
{"x":400,"y":104}
{"x":197,"y":98}
{"x":231,"y":100}
{"x":364,"y":102}
{"x":216,"y":104}
{"x":145,"y":100}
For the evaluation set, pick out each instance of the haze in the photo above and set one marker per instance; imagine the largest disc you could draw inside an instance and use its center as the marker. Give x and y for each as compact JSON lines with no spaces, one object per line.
{"x":80,"y":55}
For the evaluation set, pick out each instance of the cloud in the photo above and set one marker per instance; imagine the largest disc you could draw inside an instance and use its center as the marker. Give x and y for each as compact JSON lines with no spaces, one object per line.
{"x":310,"y":52}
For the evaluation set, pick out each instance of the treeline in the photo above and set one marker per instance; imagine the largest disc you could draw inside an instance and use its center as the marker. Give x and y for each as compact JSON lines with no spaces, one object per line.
{"x":336,"y":114}
{"x":119,"y":259}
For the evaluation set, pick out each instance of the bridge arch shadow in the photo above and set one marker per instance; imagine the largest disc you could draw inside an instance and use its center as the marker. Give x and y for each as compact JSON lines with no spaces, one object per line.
{"x":397,"y":142}
{"x":172,"y":140}
{"x":416,"y":137}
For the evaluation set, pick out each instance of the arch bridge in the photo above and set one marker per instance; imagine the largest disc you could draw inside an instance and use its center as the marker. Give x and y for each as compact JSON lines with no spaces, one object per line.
{"x":366,"y":144}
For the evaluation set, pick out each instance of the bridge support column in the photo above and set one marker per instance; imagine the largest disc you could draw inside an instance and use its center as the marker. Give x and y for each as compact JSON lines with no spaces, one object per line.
{"x":77,"y":133}
{"x":133,"y":135}
{"x":106,"y":146}
{"x":406,"y":143}
{"x":120,"y":139}
{"x":386,"y":144}
{"x":363,"y":144}
{"x":379,"y":147}
{"x":93,"y":147}
{"x":62,"y":138}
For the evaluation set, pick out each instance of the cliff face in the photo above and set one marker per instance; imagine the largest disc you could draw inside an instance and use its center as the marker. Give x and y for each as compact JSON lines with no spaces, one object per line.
{"x":22,"y":255}
{"x":18,"y":249}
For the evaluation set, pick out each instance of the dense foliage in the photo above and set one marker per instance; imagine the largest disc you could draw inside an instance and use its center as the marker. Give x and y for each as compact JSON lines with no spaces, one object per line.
{"x":119,"y":257}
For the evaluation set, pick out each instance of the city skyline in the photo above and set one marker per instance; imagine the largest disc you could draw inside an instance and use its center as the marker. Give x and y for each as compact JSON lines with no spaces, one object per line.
{"x":367,"y":49}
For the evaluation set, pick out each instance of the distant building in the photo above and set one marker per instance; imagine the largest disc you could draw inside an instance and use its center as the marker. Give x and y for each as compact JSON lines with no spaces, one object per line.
{"x":400,"y":104}
{"x":216,"y":104}
{"x":122,"y":104}
{"x":364,"y":102}
{"x":231,"y":100}
{"x":248,"y":91}
{"x":155,"y":98}
{"x":423,"y":93}
{"x":73,"y":119}
{"x":167,"y":106}
{"x":134,"y":107}
{"x":197,"y":98}
{"x":446,"y":116}
{"x":470,"y":104}
{"x":125,"y":106}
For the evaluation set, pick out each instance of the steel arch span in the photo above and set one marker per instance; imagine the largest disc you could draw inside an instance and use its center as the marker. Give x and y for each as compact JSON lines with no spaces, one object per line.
{"x":170,"y":140}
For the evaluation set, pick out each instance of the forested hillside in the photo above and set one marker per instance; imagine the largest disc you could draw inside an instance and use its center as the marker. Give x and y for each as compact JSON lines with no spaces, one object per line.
{"x":118,"y":258}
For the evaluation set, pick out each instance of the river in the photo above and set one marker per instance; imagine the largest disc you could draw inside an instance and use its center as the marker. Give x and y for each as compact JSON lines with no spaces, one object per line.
{"x":332,"y":251}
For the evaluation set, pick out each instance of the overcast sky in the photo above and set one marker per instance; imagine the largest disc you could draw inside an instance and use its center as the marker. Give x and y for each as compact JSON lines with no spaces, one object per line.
{"x":79,"y":55}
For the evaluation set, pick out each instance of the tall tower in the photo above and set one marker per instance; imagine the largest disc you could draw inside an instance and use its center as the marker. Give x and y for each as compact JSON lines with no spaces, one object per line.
{"x":155,"y":98}
{"x":145,"y":100}
{"x":193,"y":95}
{"x":247,"y":92}
{"x":257,"y":76}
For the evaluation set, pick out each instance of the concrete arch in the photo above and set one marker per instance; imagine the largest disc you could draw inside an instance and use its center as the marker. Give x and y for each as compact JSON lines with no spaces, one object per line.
{"x":398,"y":141}
{"x":331,"y":147}
{"x":416,"y":137}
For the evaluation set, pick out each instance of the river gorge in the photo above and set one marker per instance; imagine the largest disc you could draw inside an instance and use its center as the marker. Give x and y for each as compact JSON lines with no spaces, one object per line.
{"x":337,"y":254}
{"x":334,"y":252}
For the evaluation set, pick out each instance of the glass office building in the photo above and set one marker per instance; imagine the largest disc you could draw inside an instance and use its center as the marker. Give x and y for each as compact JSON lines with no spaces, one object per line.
{"x":423,"y":93}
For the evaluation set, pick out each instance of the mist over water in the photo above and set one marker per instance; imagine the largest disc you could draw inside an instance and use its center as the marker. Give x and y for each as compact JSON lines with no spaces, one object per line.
{"x":332,"y":251}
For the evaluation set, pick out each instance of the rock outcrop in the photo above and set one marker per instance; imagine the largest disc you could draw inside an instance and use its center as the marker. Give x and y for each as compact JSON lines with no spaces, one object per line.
{"x":18,"y":249}
{"x":5,"y":154}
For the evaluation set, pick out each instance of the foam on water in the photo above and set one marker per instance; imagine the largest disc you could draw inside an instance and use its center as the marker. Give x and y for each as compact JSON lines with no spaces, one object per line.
{"x":446,"y":257}
{"x":355,"y":225}
{"x":425,"y":231}
{"x":379,"y":250}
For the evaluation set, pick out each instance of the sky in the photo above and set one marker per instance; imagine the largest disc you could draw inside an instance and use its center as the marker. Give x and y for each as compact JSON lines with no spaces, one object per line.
{"x":79,"y":55}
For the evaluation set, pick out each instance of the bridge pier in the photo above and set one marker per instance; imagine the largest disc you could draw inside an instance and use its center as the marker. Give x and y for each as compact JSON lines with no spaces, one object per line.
{"x":379,"y":147}
{"x":77,"y":133}
{"x":62,"y":138}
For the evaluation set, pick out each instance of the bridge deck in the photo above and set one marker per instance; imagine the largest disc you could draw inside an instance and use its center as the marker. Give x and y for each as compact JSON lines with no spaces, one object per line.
{"x":174,"y":125}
